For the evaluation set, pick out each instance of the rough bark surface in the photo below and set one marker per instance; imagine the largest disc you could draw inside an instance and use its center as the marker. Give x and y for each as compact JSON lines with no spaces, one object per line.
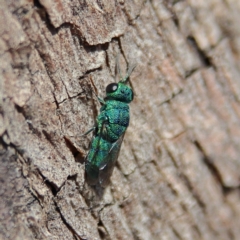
{"x":178,"y":173}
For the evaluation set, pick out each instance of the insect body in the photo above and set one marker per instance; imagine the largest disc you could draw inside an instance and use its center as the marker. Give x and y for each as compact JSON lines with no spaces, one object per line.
{"x":109,"y":130}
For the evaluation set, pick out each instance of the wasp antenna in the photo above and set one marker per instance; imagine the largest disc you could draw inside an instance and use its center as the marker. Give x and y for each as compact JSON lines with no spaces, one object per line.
{"x":118,"y":67}
{"x":129,"y":72}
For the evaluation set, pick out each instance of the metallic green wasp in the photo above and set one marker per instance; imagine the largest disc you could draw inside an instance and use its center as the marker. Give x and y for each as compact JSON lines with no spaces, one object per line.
{"x":109,"y":131}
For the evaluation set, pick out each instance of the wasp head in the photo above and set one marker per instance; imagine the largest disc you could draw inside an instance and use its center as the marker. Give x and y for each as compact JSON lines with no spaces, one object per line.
{"x":120,"y":92}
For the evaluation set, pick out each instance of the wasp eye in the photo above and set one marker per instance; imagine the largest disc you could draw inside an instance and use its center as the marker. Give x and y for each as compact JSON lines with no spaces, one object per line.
{"x":111,"y":87}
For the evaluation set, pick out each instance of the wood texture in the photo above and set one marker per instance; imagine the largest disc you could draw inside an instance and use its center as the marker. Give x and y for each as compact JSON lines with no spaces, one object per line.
{"x":178,"y":173}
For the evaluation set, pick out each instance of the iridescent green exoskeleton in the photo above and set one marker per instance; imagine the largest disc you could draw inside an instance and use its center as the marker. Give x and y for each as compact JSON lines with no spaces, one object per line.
{"x":109,"y":130}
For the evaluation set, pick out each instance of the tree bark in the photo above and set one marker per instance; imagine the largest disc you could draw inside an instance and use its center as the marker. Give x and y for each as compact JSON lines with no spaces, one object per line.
{"x":178,"y":173}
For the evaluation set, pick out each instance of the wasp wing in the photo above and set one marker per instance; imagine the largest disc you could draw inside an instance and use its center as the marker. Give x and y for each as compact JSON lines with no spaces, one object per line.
{"x":92,"y":171}
{"x":107,"y":165}
{"x":99,"y":149}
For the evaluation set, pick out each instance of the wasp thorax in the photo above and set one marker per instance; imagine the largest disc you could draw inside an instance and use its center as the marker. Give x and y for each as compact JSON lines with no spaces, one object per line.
{"x":119,"y":91}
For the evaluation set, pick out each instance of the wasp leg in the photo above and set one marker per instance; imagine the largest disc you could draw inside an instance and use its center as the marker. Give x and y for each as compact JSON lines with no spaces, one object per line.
{"x":99,"y":99}
{"x":90,"y":130}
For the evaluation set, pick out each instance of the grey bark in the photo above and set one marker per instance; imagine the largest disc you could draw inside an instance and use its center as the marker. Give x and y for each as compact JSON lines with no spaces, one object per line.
{"x":178,"y":172}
